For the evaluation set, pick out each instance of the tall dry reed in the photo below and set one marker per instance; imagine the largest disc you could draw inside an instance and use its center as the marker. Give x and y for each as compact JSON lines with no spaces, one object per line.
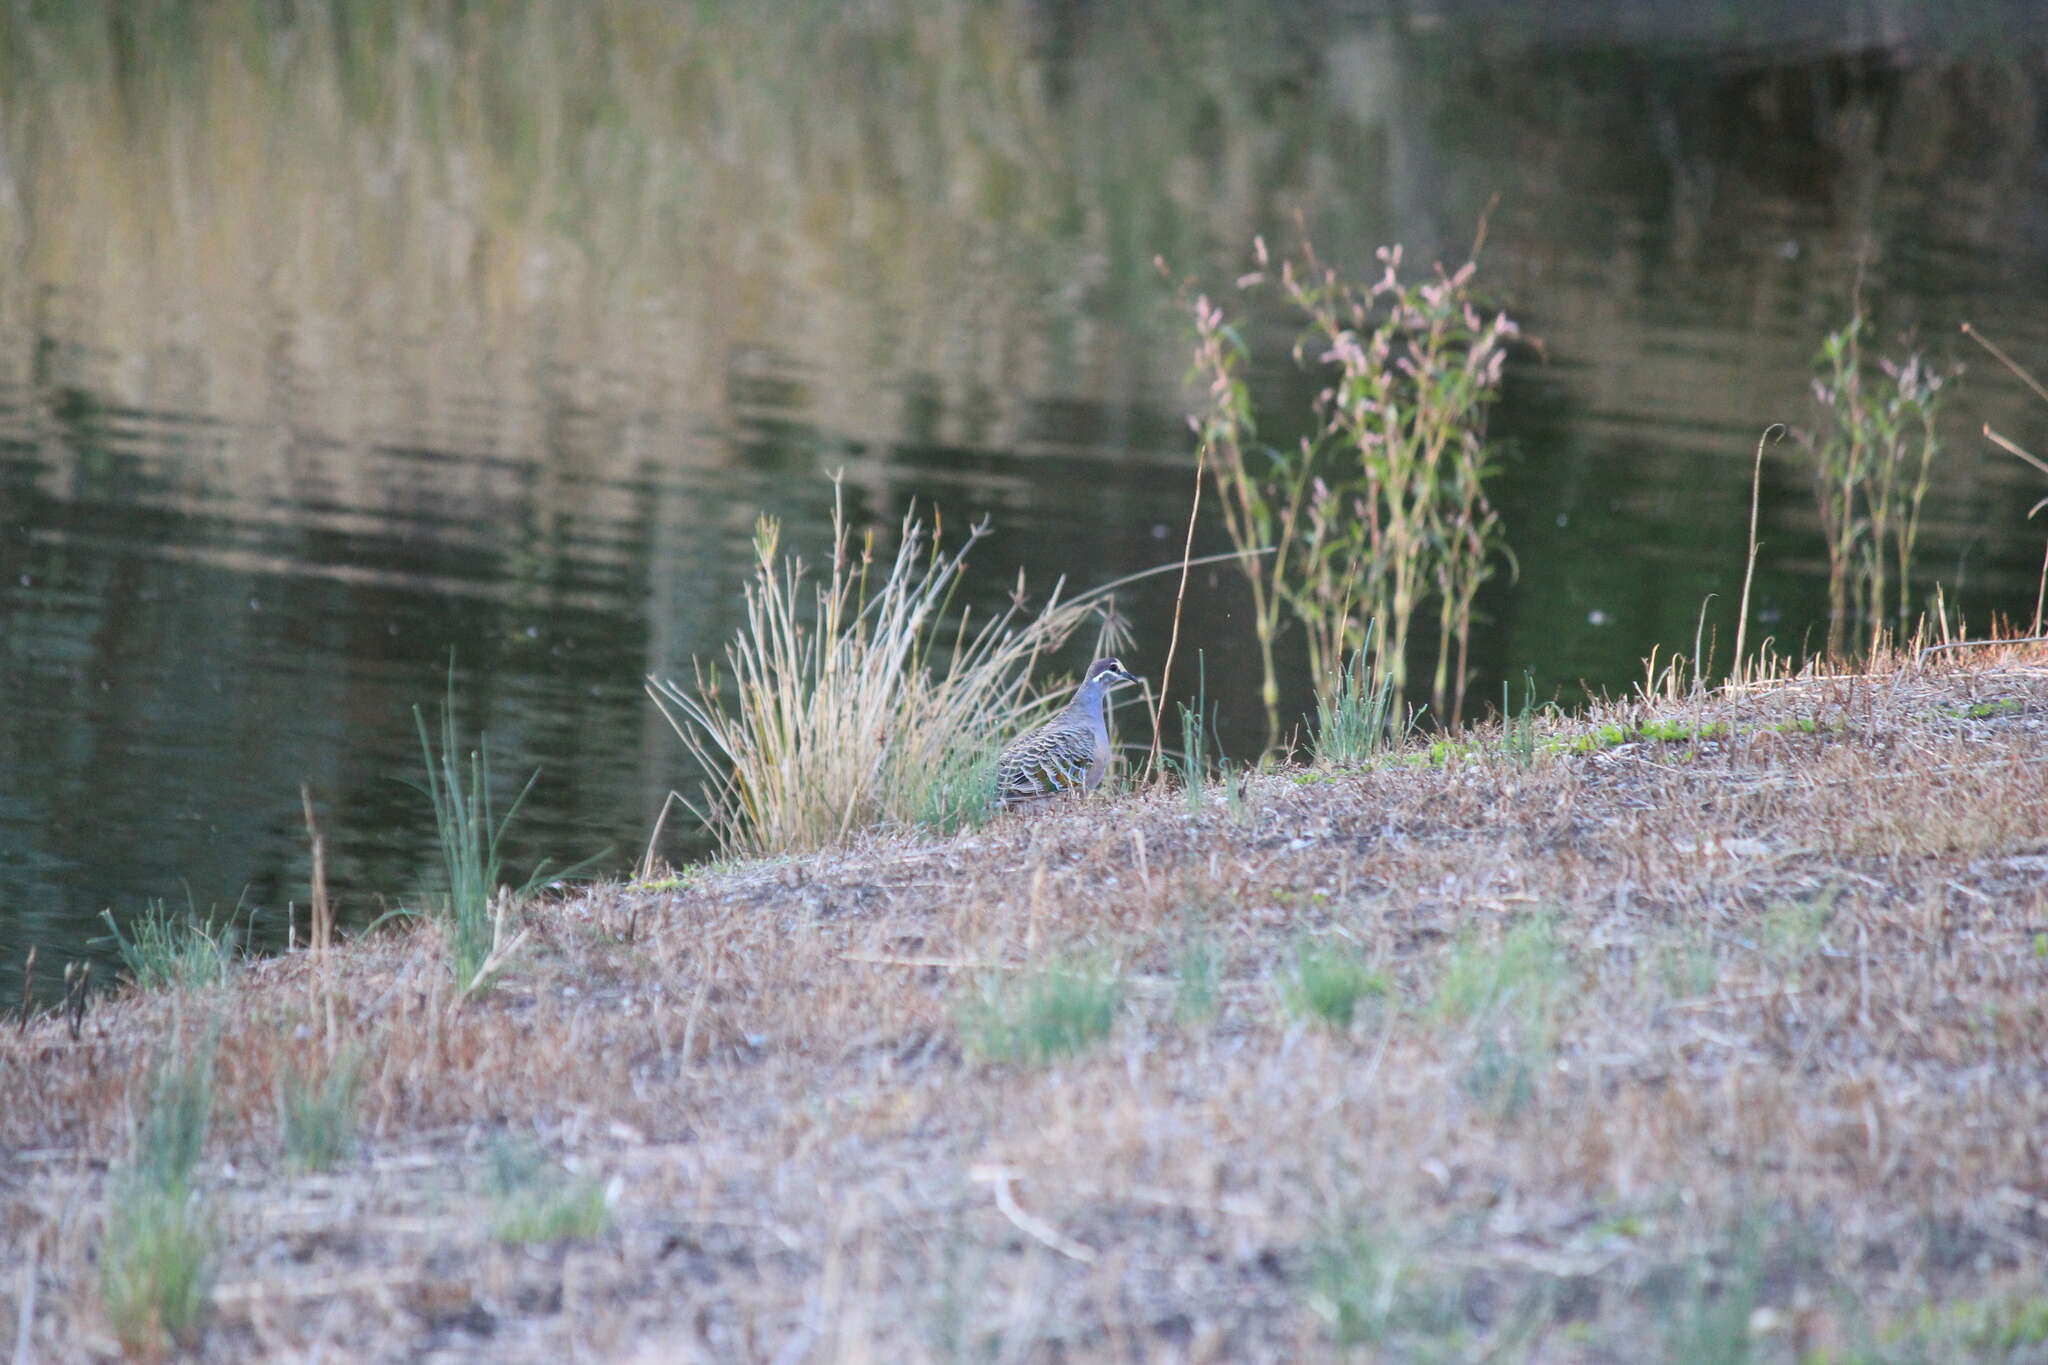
{"x":861,"y":700}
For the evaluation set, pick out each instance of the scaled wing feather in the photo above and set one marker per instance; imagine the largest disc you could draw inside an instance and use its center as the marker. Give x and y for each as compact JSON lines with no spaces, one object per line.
{"x":1046,"y":763}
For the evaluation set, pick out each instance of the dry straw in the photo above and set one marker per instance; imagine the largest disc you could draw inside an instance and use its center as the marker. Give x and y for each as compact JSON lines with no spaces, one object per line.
{"x":866,"y":701}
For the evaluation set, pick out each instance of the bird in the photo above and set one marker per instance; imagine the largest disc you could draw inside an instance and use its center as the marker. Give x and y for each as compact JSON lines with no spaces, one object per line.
{"x":1068,"y":753}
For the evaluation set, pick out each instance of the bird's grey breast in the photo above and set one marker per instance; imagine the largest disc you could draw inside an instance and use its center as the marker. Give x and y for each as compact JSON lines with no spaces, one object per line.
{"x":1098,"y":728}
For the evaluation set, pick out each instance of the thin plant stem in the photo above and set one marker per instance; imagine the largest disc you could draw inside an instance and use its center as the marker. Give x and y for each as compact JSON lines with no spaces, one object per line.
{"x":2011,"y":448}
{"x":1179,"y":595}
{"x":1775,"y":431}
{"x":2041,"y":592}
{"x":2019,"y":371}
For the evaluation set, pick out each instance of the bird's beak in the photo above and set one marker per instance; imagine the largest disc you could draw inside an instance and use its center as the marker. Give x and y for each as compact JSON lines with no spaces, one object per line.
{"x":1125,"y":675}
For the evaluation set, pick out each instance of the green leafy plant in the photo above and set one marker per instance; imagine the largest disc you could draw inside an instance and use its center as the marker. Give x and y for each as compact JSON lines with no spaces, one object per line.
{"x":1260,"y":490}
{"x":1383,"y":508}
{"x":1872,"y":452}
{"x":1402,"y":515}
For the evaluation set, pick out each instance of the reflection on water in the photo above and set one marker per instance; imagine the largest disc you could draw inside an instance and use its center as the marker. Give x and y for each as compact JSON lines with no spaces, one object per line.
{"x":336,"y":341}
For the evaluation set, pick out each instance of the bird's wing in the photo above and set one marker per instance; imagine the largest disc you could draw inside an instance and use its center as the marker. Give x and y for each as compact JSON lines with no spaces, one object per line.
{"x":1045,"y":763}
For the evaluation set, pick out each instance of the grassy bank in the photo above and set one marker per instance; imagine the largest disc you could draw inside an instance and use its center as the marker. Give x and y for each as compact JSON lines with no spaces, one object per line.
{"x":1709,"y":1029}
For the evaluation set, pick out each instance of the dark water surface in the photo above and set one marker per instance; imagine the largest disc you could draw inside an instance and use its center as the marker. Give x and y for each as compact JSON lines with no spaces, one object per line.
{"x":333,"y":342}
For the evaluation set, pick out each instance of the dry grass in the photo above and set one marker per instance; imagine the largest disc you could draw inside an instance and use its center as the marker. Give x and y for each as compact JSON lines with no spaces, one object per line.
{"x":855,"y":714}
{"x":1710,"y":1049}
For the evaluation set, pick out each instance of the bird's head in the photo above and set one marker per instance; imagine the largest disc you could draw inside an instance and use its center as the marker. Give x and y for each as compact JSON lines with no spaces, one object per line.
{"x":1111,"y":672}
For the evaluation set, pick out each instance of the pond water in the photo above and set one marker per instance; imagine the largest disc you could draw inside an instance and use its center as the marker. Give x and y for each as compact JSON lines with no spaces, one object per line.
{"x":337,"y":341}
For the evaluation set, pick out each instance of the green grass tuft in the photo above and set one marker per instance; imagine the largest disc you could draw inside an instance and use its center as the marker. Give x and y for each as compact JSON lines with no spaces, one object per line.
{"x":1327,"y":982}
{"x":1507,"y":993}
{"x":469,"y":837}
{"x":539,"y":1202}
{"x":961,"y":792}
{"x":318,"y":1113}
{"x":1236,"y":798}
{"x":1040,"y":1017}
{"x":1502,"y":1072}
{"x":156,"y":1267}
{"x":1687,"y":968}
{"x":1371,"y":1293}
{"x":472,"y":913}
{"x":1787,"y":935}
{"x":1518,"y":727}
{"x":1195,"y":979}
{"x":1191,"y":764}
{"x":157,"y":1253}
{"x":173,"y":1133}
{"x":1976,"y":1329}
{"x":1710,"y":1324}
{"x":163,"y":950}
{"x":1354,"y":717}
{"x":1521,"y":976}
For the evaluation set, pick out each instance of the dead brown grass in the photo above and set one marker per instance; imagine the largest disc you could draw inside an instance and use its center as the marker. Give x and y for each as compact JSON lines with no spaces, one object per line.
{"x":1794,"y":1003}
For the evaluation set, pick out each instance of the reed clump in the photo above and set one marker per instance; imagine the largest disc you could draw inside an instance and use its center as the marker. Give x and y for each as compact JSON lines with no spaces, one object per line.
{"x":861,"y":701}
